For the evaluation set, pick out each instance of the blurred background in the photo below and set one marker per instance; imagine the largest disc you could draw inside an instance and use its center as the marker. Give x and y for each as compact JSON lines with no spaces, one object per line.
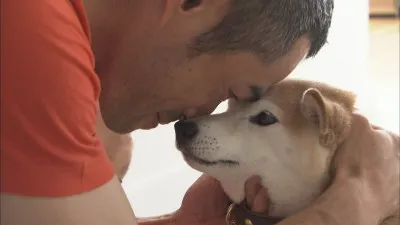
{"x":362,"y":56}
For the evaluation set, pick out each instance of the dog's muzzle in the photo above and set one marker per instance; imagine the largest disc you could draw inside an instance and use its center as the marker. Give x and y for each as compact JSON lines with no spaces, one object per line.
{"x":185,"y":131}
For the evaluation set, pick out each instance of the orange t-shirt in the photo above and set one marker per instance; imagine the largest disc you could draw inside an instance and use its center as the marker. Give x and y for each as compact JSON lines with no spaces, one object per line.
{"x":49,"y":95}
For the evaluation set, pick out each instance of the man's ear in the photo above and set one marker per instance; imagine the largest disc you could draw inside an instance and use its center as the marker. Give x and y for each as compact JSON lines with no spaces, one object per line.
{"x":189,"y":6}
{"x":197,"y":15}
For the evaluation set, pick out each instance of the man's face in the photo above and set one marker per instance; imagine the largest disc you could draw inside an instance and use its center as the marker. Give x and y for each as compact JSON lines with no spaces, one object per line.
{"x":150,"y":80}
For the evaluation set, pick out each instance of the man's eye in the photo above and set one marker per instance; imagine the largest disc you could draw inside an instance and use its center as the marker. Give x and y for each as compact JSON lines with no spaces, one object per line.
{"x":264,"y":118}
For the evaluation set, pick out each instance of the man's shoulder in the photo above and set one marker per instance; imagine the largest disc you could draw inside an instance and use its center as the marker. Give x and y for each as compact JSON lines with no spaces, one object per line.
{"x":47,"y":40}
{"x":49,"y":94}
{"x":103,"y":205}
{"x":53,"y":23}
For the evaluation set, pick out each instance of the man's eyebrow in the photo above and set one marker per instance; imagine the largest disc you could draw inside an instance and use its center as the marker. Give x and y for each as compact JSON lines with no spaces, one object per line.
{"x":256,"y":92}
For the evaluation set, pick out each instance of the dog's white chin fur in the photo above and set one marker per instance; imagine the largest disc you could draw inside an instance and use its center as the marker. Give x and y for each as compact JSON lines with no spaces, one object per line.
{"x":289,"y":190}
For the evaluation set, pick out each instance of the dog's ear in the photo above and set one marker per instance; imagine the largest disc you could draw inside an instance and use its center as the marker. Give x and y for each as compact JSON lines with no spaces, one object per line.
{"x":331,"y":119}
{"x":314,"y":107}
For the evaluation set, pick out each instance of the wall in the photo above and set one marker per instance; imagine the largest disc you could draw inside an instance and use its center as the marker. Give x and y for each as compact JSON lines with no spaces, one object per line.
{"x":158,"y":177}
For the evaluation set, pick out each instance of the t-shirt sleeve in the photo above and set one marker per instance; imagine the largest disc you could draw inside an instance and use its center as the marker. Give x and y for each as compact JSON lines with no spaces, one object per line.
{"x":49,"y":95}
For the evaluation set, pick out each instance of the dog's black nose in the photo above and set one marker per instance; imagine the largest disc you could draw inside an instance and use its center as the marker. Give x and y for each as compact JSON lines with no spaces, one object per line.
{"x":185,"y":129}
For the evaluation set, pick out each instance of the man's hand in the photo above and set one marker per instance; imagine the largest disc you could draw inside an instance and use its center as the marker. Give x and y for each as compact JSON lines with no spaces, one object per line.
{"x":205,"y":203}
{"x":372,"y":156}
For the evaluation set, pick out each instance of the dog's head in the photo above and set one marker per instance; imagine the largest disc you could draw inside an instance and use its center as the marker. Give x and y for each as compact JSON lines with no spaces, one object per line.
{"x":287,"y":137}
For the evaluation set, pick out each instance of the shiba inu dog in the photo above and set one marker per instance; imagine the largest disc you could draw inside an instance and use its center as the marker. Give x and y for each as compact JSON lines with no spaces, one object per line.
{"x":288,"y":137}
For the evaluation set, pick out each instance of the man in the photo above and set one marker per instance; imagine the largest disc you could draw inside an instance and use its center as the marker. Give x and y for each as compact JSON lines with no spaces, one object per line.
{"x":156,"y":61}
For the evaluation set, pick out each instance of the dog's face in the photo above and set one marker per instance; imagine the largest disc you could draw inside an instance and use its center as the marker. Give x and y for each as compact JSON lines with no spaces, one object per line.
{"x":287,"y":137}
{"x":238,"y":141}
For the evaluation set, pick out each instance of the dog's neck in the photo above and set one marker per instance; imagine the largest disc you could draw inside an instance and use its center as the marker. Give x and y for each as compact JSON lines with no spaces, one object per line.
{"x":287,"y":198}
{"x":290,"y":189}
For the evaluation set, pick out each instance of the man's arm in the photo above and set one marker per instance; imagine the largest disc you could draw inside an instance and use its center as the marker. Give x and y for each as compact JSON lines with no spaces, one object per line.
{"x":366,"y":189}
{"x":54,"y":170}
{"x":344,"y":203}
{"x":106,"y":205}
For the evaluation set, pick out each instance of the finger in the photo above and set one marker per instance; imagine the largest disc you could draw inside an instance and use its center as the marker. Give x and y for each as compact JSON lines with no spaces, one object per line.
{"x":375,"y":127}
{"x":260,"y":204}
{"x":252,"y":187}
{"x":205,"y":198}
{"x":212,"y":186}
{"x":360,"y":123}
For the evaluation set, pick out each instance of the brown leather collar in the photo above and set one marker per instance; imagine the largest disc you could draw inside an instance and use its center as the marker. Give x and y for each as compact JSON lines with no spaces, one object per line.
{"x":240,"y":215}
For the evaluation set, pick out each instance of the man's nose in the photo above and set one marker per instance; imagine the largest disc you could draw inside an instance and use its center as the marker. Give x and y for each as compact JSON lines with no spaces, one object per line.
{"x":186,"y":129}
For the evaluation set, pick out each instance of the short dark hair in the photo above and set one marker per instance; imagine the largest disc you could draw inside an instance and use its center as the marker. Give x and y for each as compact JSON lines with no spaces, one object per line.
{"x":268,"y":28}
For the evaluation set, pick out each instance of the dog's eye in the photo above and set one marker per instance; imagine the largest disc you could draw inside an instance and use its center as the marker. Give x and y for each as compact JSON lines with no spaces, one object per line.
{"x":264,"y":118}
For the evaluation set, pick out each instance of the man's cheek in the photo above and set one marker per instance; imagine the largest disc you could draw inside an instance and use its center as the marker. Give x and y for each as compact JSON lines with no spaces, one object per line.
{"x":148,"y":122}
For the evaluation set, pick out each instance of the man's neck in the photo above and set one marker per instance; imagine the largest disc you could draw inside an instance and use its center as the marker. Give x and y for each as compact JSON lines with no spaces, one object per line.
{"x":104,"y":29}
